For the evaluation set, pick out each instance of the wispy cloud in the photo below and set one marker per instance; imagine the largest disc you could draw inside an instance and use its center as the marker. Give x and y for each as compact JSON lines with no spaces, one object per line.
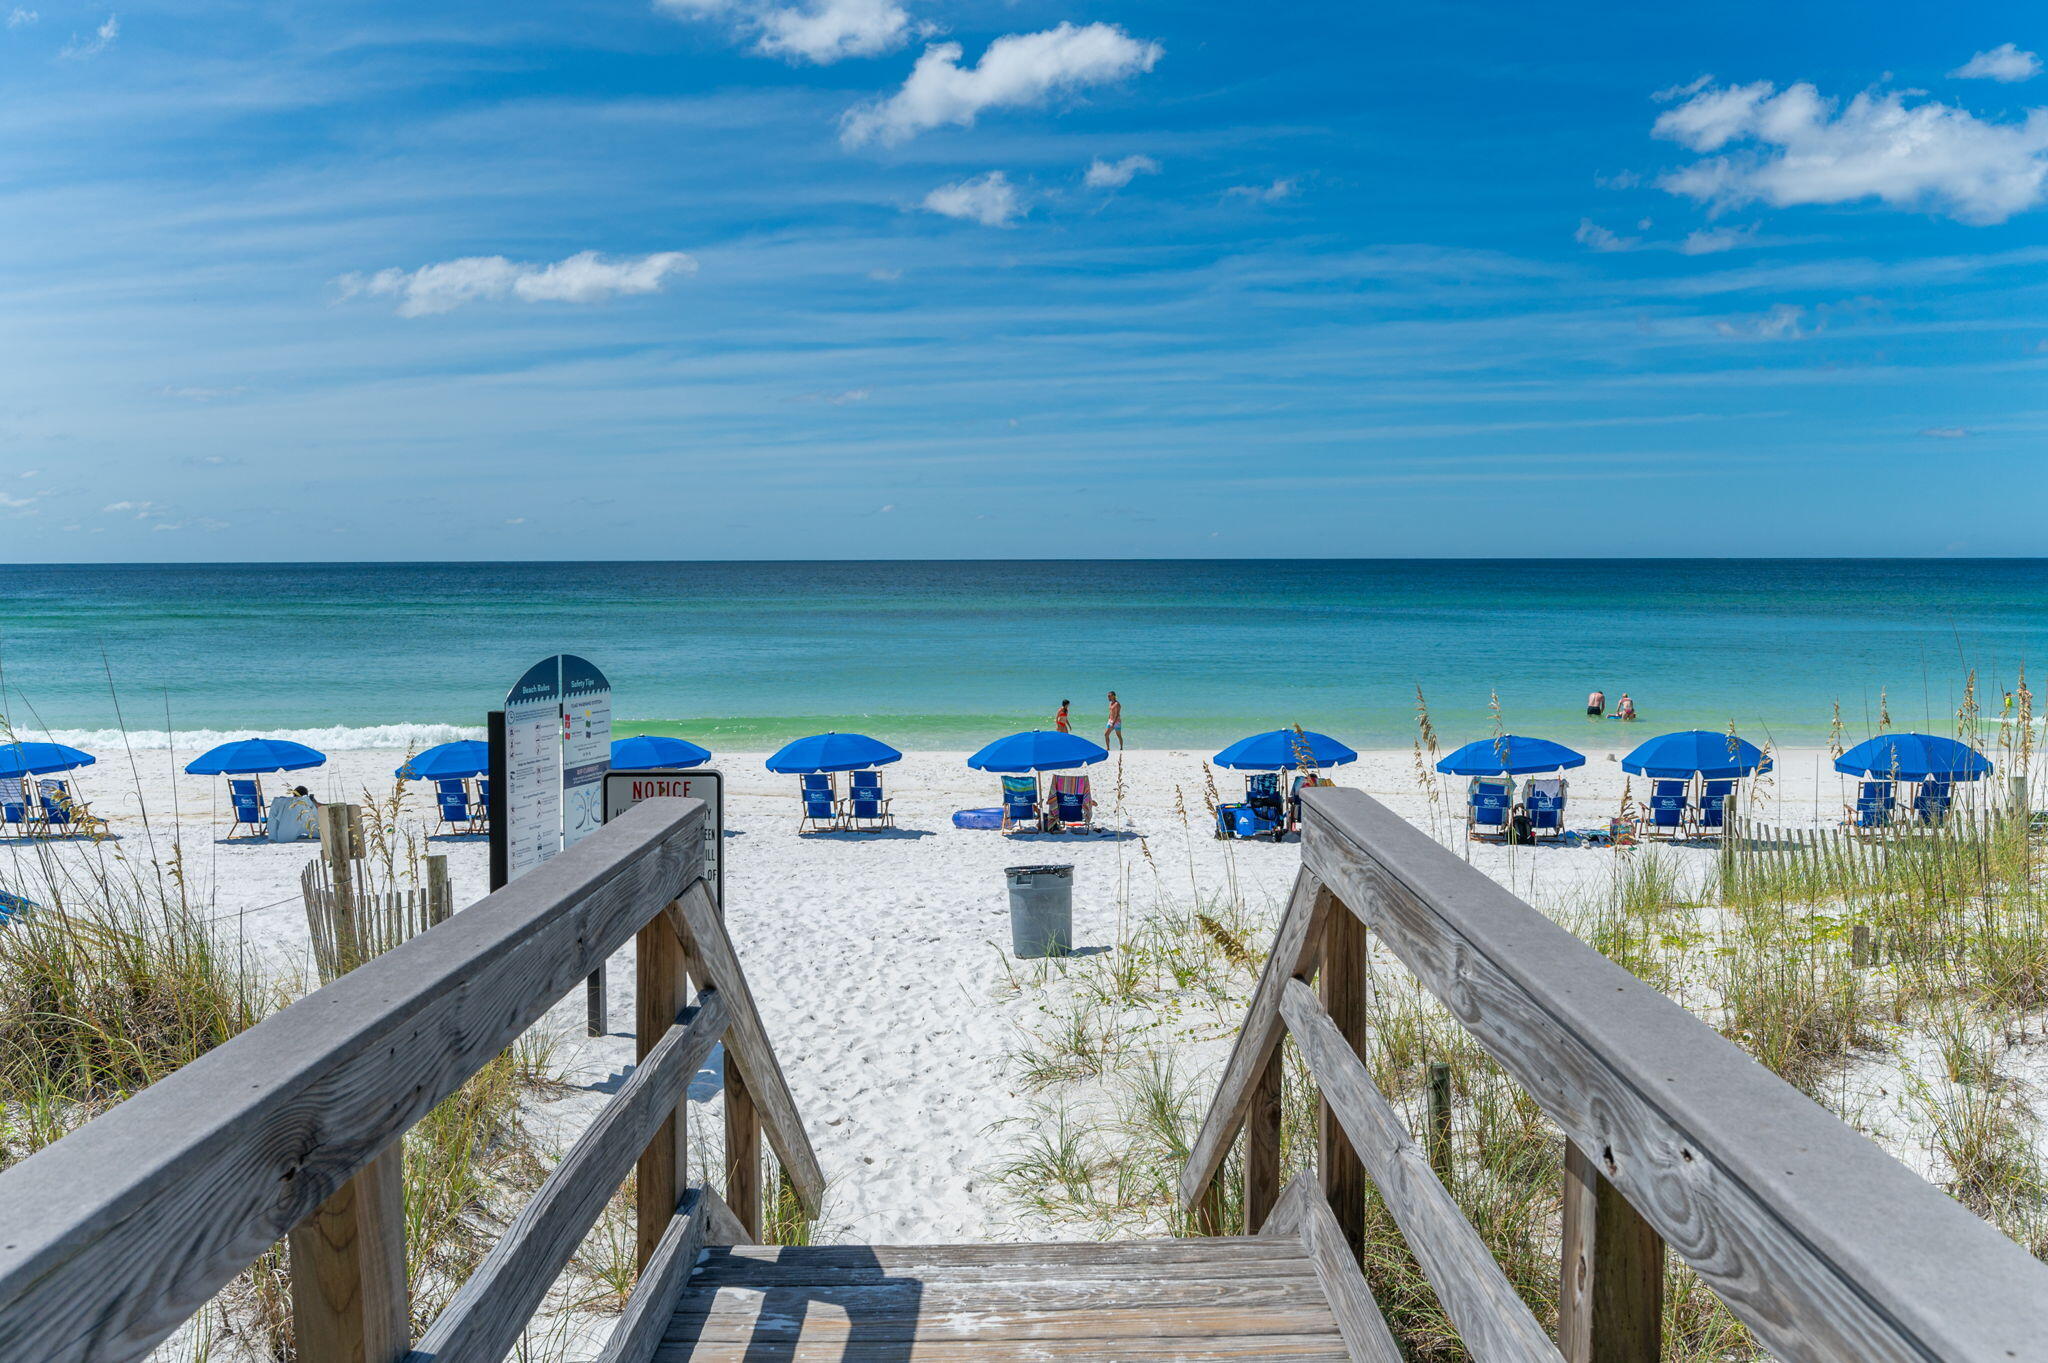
{"x":990,"y":200}
{"x":80,"y":48}
{"x":200,"y":394}
{"x":21,"y":18}
{"x":585,"y":277}
{"x":1116,"y":174}
{"x":1705,"y":241}
{"x":1017,"y":71}
{"x":1595,"y":237}
{"x":1947,"y":432}
{"x":1784,"y":322}
{"x":1804,"y":149}
{"x":820,"y":31}
{"x":1263,"y":194}
{"x":2004,"y":63}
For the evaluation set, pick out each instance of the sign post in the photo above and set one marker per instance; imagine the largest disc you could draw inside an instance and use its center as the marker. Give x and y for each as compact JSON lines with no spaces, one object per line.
{"x":550,"y":748}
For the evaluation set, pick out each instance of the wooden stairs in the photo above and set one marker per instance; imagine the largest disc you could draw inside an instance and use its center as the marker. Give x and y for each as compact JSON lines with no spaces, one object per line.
{"x":1269,"y":1296}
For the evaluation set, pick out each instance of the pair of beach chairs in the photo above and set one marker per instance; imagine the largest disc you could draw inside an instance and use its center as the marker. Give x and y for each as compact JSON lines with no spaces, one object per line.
{"x":1877,"y":804}
{"x":1686,"y":808}
{"x":46,"y":809}
{"x":1490,"y":806}
{"x":1071,"y":808}
{"x":863,"y":809}
{"x":1264,"y":812}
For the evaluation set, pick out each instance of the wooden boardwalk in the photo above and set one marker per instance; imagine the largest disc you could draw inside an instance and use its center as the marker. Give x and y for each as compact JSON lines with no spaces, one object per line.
{"x":1676,"y":1145}
{"x":1225,"y":1298}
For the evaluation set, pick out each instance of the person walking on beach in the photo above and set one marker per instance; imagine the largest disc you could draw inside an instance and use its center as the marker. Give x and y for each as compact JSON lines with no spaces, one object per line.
{"x":1115,"y":724}
{"x":1060,"y":722}
{"x":1596,"y":705}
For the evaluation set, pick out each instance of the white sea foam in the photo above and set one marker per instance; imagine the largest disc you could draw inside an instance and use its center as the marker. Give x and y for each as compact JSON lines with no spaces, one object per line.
{"x":338,"y":738}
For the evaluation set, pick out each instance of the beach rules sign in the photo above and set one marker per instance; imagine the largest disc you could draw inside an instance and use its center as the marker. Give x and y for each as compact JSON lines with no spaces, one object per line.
{"x":556,"y":744}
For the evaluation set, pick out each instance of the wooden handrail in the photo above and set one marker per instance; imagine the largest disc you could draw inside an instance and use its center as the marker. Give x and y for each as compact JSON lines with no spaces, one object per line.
{"x":1826,"y":1247}
{"x":490,"y":1311}
{"x":113,"y":1236}
{"x":1492,"y":1321}
{"x":704,"y":936}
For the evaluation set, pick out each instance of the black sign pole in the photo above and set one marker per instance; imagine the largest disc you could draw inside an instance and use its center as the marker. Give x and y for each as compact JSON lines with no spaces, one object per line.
{"x":501,"y":850}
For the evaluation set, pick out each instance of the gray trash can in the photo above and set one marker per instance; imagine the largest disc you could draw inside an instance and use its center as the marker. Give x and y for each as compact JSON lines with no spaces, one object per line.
{"x":1041,"y":910}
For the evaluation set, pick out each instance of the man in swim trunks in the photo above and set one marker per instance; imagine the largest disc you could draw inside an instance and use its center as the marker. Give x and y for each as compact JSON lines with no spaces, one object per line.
{"x":1115,"y":724}
{"x":1596,"y":704}
{"x":1060,"y":722}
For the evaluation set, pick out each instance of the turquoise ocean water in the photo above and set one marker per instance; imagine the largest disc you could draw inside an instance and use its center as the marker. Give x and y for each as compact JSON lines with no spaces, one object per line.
{"x":946,"y":655}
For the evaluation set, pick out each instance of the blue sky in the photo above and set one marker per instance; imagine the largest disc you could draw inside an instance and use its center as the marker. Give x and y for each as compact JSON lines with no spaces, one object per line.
{"x":912,"y":278}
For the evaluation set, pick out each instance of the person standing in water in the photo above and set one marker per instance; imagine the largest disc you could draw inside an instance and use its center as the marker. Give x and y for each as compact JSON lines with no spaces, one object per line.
{"x":1596,"y":705}
{"x":1627,"y":709}
{"x":1060,"y":722}
{"x":1115,"y":725}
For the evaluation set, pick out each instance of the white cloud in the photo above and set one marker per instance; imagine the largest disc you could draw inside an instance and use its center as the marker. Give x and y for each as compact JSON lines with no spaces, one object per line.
{"x":12,"y":502}
{"x":585,"y":277}
{"x":200,"y":394}
{"x":990,"y":200}
{"x":1807,"y":150}
{"x":882,"y":274}
{"x":820,"y":31}
{"x":1264,"y":194}
{"x":515,"y":520}
{"x":31,"y":473}
{"x":2004,"y":63}
{"x":1947,"y":432}
{"x":143,"y":510}
{"x":1709,"y":241}
{"x":1784,"y":322}
{"x":1017,"y":70}
{"x":102,"y":38}
{"x":1593,"y":235}
{"x":1116,"y":174}
{"x":21,"y":18}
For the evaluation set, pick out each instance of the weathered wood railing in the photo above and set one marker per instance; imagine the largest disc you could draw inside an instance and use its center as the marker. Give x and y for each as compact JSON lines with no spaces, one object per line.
{"x":115,"y":1235}
{"x":1825,"y":1246}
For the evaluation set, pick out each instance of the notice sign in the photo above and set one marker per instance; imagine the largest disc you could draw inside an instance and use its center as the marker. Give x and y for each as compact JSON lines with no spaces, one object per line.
{"x":624,"y":789}
{"x":558,"y":731}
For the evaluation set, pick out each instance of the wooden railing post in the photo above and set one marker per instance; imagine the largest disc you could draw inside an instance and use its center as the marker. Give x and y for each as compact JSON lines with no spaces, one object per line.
{"x":661,"y":989}
{"x":742,"y":1148}
{"x":1262,"y":1146}
{"x":349,"y":1297}
{"x":1611,"y":1301}
{"x":1345,"y":987}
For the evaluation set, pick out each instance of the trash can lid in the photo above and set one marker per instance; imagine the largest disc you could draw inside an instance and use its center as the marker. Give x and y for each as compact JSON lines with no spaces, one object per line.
{"x":1066,"y":870}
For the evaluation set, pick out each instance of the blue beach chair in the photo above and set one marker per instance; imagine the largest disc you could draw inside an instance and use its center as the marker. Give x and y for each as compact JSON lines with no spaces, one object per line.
{"x":1544,"y":799}
{"x":1073,"y":803}
{"x":1713,"y":810}
{"x":821,"y":804}
{"x":1875,"y":801}
{"x":1487,"y":802}
{"x":1262,"y":795}
{"x":61,"y":811}
{"x":866,"y":806}
{"x":1020,"y":803}
{"x":247,"y":799}
{"x":1931,"y":802}
{"x":457,"y":812}
{"x":14,"y":806}
{"x":1667,"y":809}
{"x":483,"y":804}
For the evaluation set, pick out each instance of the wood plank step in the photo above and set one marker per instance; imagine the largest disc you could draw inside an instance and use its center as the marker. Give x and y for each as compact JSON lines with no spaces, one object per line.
{"x":1192,"y":1299}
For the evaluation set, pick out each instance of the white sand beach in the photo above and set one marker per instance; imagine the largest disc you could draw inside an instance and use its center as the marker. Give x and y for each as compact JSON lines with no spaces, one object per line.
{"x":880,"y":960}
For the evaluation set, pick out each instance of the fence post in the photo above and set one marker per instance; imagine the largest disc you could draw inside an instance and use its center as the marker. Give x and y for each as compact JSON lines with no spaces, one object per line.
{"x":440,"y":897}
{"x":1262,"y":1145}
{"x":1345,"y":985}
{"x":1440,"y":1120}
{"x":660,"y":989}
{"x":337,"y":823}
{"x":1610,"y":1306}
{"x":349,"y":1296}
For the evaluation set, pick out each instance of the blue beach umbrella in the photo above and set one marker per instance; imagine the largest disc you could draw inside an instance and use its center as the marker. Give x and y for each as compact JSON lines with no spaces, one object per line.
{"x":651,"y":751}
{"x":1282,"y":750}
{"x":1038,"y":750}
{"x":1509,"y":755}
{"x":253,"y":756}
{"x":38,"y":759}
{"x":448,"y":761}
{"x":1696,"y":750}
{"x":1914,"y":757}
{"x":832,"y":752}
